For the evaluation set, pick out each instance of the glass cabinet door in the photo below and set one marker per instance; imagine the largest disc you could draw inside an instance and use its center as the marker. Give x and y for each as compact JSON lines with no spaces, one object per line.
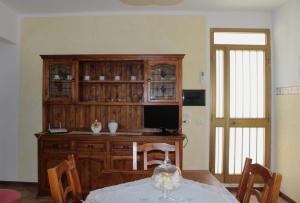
{"x":163,"y":82}
{"x":60,"y":81}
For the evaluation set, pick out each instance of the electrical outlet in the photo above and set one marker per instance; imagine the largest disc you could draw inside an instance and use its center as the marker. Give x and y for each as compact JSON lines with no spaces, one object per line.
{"x":198,"y":122}
{"x":186,"y":122}
{"x":186,"y":118}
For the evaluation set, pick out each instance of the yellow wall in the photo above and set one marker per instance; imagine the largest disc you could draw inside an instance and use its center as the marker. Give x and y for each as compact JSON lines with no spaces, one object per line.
{"x":103,"y":35}
{"x":286,"y":37}
{"x":288,"y":139}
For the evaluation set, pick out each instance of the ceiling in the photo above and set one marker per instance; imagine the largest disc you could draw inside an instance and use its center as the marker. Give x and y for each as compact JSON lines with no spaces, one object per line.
{"x":35,"y":7}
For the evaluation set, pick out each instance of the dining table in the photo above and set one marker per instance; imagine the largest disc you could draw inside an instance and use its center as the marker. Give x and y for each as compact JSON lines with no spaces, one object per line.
{"x":197,"y":186}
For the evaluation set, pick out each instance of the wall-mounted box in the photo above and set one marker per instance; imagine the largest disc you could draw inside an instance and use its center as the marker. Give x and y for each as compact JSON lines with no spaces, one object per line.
{"x":193,"y":97}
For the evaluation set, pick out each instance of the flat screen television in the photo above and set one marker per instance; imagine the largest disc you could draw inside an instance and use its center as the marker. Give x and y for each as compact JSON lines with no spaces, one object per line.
{"x":163,"y":117}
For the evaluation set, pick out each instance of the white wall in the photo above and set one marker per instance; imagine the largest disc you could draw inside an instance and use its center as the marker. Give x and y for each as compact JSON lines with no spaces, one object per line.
{"x":287,"y":44}
{"x":9,"y":93}
{"x":8,"y":24}
{"x":9,"y":110}
{"x":239,"y":20}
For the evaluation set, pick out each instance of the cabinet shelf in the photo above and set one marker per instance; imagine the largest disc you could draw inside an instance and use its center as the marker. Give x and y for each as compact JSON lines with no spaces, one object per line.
{"x":113,"y":103}
{"x":61,"y":81}
{"x":163,"y":81}
{"x":112,"y":81}
{"x":68,"y":95}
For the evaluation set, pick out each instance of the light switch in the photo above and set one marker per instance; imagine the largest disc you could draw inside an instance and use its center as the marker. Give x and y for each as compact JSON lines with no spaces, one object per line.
{"x":198,"y":122}
{"x":201,"y":77}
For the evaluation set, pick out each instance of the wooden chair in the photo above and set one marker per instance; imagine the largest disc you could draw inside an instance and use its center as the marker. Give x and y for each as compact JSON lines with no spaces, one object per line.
{"x":270,"y":191}
{"x":145,"y":148}
{"x":58,"y":192}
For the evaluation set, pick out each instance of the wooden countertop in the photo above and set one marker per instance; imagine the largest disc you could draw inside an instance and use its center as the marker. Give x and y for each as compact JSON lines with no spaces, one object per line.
{"x":107,"y":135}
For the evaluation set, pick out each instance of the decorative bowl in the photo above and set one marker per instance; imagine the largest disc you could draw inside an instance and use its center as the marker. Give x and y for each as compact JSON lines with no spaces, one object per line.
{"x":166,"y":177}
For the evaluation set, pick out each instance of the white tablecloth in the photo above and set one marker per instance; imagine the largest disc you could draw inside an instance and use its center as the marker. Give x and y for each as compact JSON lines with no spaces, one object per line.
{"x":142,"y":191}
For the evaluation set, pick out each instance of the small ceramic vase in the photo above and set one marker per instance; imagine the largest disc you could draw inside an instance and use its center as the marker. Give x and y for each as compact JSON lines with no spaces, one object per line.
{"x":96,"y":127}
{"x":135,"y":98}
{"x":113,"y":126}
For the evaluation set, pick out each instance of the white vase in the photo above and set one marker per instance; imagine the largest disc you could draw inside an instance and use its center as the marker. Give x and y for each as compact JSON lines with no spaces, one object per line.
{"x":96,"y":127}
{"x":112,"y":126}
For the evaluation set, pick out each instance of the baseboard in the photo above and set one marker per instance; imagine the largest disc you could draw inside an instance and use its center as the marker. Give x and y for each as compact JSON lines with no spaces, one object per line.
{"x":286,"y":198}
{"x":2,"y":182}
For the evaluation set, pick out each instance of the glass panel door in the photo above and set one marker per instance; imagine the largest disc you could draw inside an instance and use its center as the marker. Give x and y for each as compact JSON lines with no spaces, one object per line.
{"x":245,"y":142}
{"x":240,"y":124}
{"x":247,"y":113}
{"x":247,"y":84}
{"x":61,"y":81}
{"x":163,"y":82}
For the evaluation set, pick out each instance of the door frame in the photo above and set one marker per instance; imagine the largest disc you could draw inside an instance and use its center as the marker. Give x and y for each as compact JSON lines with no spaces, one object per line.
{"x":268,"y":105}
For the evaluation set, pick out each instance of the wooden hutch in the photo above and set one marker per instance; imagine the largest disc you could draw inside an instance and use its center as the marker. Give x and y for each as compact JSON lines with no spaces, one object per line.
{"x":79,"y":89}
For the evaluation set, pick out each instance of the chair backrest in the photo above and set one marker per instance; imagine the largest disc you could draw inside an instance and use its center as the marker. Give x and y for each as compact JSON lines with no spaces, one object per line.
{"x":60,"y":190}
{"x":270,"y":191}
{"x":147,"y":147}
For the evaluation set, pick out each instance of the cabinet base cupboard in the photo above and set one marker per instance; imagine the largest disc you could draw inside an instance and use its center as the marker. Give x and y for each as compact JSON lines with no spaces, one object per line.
{"x":79,"y":89}
{"x":99,"y":158}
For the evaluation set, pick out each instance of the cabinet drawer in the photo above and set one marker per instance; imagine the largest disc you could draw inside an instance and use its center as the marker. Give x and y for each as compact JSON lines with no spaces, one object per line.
{"x":90,"y":147}
{"x":121,"y":162}
{"x":121,"y":146}
{"x":56,"y":146}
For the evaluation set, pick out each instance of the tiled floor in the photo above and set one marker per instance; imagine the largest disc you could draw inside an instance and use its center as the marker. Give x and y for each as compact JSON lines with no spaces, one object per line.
{"x":29,"y":192}
{"x":254,"y":200}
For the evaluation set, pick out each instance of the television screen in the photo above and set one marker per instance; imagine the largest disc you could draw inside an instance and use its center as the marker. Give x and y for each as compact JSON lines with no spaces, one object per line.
{"x":165,"y":117}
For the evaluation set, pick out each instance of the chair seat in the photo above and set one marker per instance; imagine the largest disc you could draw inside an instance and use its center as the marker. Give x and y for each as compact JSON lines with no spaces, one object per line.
{"x":9,"y":196}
